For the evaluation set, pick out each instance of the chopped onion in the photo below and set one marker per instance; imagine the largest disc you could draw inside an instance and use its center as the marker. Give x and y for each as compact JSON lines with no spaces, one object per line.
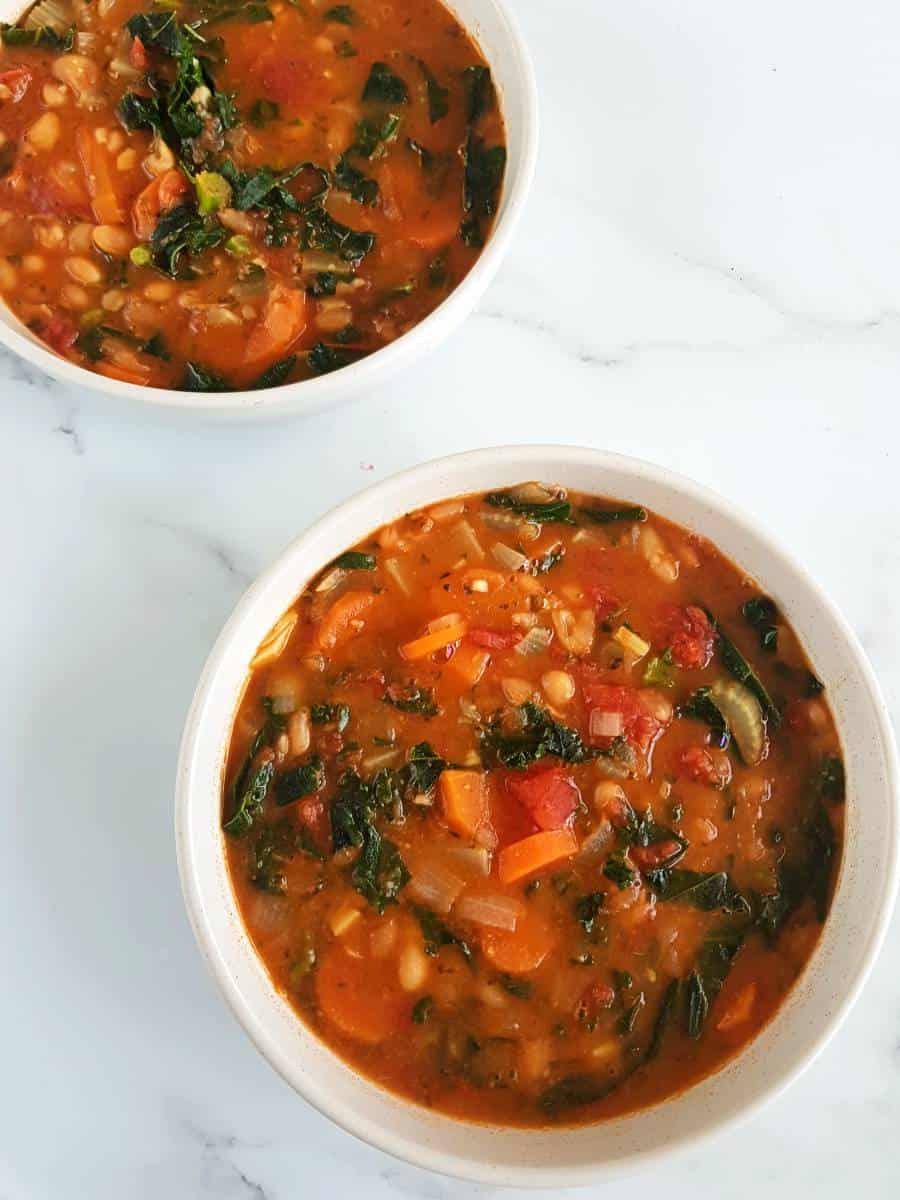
{"x":331,"y":579}
{"x":535,"y":640}
{"x":392,"y":566}
{"x":444,"y":622}
{"x":475,"y":858}
{"x":498,"y":912}
{"x":606,"y":724}
{"x":435,"y":886}
{"x":55,"y":15}
{"x":511,"y":559}
{"x":501,"y":520}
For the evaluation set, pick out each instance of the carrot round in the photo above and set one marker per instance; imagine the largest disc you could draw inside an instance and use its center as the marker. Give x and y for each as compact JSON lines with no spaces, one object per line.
{"x":535,"y":853}
{"x":522,"y":950}
{"x":347,"y":997}
{"x":336,"y":623}
{"x":431,"y":642}
{"x":465,"y":801}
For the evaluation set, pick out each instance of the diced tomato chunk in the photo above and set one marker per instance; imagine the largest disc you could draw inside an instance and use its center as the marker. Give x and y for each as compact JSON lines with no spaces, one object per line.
{"x":291,"y":80}
{"x":639,"y":726}
{"x":495,"y":639}
{"x":594,"y":999}
{"x":689,"y":634}
{"x":604,"y":601}
{"x":312,"y":815}
{"x":16,"y":82}
{"x":59,"y":332}
{"x":137,"y":55}
{"x":548,"y":794}
{"x":648,"y":858}
{"x":697,"y":764}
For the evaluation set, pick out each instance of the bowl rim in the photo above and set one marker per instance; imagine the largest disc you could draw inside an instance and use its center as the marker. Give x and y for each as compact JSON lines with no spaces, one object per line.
{"x":378,"y":1135}
{"x":311,"y":395}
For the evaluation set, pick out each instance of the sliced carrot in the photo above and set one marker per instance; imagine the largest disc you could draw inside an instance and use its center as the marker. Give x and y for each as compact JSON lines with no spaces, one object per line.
{"x":344,"y":990}
{"x":282,"y":322}
{"x":535,"y":853}
{"x":430,"y":223}
{"x":464,"y":798}
{"x":123,"y":373}
{"x":739,"y":1010}
{"x":164,"y":192}
{"x":431,"y":642}
{"x":335,"y":624}
{"x":98,"y":172}
{"x":469,"y":663}
{"x":523,"y":950}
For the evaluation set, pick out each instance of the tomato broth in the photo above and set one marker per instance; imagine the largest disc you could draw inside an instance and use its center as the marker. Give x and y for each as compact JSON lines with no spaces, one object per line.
{"x":533,"y":807}
{"x":239,"y":193}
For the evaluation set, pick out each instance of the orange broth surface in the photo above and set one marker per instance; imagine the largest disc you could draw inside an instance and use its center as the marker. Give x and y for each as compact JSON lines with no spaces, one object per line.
{"x":533,"y":807}
{"x":239,"y":193}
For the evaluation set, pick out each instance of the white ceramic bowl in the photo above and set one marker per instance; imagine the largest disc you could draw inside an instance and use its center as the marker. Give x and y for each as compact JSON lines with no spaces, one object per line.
{"x":494,"y":28}
{"x":813,"y":1010}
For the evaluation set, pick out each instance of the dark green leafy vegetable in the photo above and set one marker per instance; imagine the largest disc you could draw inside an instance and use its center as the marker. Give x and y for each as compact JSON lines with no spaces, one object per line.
{"x":305,"y":779}
{"x":705,"y":981}
{"x":422,"y":770}
{"x":761,"y":613}
{"x":700,"y":707}
{"x":384,"y":87}
{"x":352,"y":811}
{"x":42,"y":36}
{"x":574,"y":1091}
{"x":538,"y":735}
{"x":346,"y":49}
{"x":263,"y":112}
{"x":355,"y":560}
{"x":265,"y":736}
{"x":735,"y":663}
{"x":814,"y":685}
{"x":829,"y":782}
{"x":483,"y":175}
{"x":373,"y":136}
{"x":609,"y":516}
{"x":663,"y":1018}
{"x":559,"y":511}
{"x":275,"y":375}
{"x":412,"y":699}
{"x":251,"y":801}
{"x":379,"y":874}
{"x":618,"y":870}
{"x":183,"y":232}
{"x":200,"y":379}
{"x":318,"y":230}
{"x":421,"y":1010}
{"x":436,"y":934}
{"x":350,"y":179}
{"x":520,"y":988}
{"x":322,"y":359}
{"x":341,"y":14}
{"x":323,"y":714}
{"x":438,"y":97}
{"x":707,"y":891}
{"x":588,"y":909}
{"x":274,"y":846}
{"x":156,"y":346}
{"x":479,"y":92}
{"x":628,"y":1020}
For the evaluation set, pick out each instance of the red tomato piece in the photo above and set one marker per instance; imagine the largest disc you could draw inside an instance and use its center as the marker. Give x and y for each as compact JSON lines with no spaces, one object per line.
{"x":698,"y":764}
{"x":595,"y":998}
{"x":137,"y":55}
{"x":639,"y":726}
{"x":548,"y":794}
{"x":16,"y":82}
{"x":495,"y":639}
{"x":291,"y":80}
{"x":689,"y":634}
{"x":604,"y":602}
{"x":312,"y":815}
{"x":60,"y":333}
{"x":647,"y":858}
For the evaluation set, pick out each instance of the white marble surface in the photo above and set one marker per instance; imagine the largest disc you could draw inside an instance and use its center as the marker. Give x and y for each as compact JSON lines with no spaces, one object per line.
{"x":708,"y":275}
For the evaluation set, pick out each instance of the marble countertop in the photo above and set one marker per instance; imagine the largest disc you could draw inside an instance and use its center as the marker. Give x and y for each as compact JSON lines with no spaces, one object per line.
{"x":708,"y":275}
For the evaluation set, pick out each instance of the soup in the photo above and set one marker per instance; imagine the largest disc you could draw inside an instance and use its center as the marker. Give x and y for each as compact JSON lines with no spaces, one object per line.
{"x":239,"y":193}
{"x":533,"y":807}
